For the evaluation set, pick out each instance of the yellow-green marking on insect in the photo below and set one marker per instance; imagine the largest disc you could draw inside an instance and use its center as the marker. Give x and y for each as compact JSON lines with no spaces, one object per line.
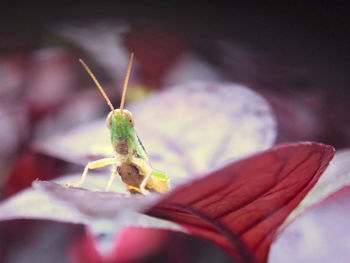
{"x":130,"y":159}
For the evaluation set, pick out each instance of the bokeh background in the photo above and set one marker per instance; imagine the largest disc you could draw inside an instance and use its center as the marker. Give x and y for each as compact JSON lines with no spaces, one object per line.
{"x":295,"y":53}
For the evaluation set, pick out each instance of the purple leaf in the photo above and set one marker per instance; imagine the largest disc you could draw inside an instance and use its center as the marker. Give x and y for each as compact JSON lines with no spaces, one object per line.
{"x":187,"y":130}
{"x":103,"y":42}
{"x":194,"y":129}
{"x":239,"y":207}
{"x":94,"y":203}
{"x":51,"y":201}
{"x":320,"y":235}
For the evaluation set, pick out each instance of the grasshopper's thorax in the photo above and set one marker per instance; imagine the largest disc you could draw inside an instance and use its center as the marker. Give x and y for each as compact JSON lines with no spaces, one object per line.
{"x":123,"y":137}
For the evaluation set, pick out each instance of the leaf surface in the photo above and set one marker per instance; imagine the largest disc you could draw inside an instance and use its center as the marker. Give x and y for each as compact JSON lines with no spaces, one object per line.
{"x":241,"y":206}
{"x":319,"y":235}
{"x":51,"y":201}
{"x":336,"y":176}
{"x":190,"y":129}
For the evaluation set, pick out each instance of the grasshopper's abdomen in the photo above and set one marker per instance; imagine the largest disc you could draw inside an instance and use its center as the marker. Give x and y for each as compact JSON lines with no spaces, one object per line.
{"x":130,"y":176}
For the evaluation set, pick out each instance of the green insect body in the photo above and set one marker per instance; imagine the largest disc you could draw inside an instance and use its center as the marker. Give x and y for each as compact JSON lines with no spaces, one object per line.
{"x":130,"y":160}
{"x":132,"y":163}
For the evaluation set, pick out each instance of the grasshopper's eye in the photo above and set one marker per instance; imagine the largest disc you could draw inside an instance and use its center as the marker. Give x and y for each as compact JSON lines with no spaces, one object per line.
{"x":129,"y":117}
{"x":109,"y":120}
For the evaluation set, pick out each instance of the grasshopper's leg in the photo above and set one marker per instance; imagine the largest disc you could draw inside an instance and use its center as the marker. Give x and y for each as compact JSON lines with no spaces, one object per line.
{"x":146,"y":170}
{"x":110,"y":181}
{"x":92,"y":165}
{"x":144,"y":182}
{"x":158,"y":182}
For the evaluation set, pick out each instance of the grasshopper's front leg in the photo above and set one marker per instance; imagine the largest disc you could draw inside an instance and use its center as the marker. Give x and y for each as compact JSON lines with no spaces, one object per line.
{"x":94,"y":165}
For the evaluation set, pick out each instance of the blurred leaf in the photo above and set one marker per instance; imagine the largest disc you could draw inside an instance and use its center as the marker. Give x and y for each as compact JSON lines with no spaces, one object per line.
{"x":190,"y":129}
{"x":13,"y":128}
{"x":320,"y":235}
{"x":36,"y":166}
{"x":131,"y":244}
{"x":190,"y":67}
{"x":299,"y":115}
{"x":50,"y":77}
{"x":241,"y":206}
{"x":12,"y":72}
{"x":103,"y":42}
{"x":156,"y":51}
{"x":36,"y":241}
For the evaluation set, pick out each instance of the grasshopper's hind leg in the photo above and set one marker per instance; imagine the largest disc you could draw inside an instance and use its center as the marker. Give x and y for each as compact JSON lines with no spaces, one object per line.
{"x":93,"y":165}
{"x":144,"y":182}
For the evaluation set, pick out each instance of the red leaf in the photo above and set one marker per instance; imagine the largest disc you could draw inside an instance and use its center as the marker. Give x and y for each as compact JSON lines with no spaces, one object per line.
{"x":247,"y":200}
{"x":28,"y":168}
{"x":156,"y":51}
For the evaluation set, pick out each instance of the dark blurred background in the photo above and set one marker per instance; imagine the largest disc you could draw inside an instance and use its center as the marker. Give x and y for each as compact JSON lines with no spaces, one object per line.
{"x":295,"y":53}
{"x":299,"y":47}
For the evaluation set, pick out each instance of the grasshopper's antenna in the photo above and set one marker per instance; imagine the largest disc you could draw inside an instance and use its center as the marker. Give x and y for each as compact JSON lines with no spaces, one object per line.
{"x":97,"y":84}
{"x":126,"y":83}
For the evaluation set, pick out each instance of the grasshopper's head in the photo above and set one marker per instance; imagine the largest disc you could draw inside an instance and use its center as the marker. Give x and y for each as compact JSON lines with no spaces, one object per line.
{"x":120,"y":121}
{"x":121,"y":125}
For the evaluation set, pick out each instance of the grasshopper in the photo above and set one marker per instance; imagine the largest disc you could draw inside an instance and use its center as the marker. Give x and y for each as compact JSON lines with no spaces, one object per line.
{"x":130,"y":160}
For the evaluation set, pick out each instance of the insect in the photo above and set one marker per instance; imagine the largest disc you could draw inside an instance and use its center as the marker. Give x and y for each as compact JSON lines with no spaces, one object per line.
{"x":130,"y":160}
